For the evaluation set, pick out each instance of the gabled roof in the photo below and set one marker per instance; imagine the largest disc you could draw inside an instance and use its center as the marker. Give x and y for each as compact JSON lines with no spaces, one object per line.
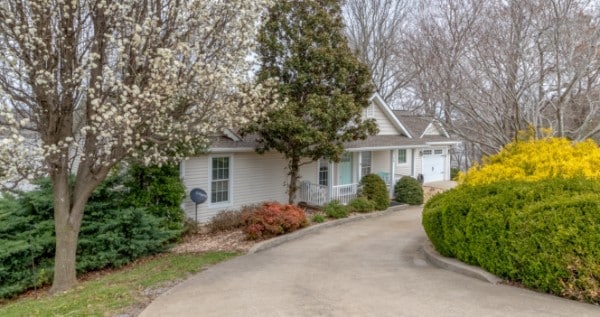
{"x":420,"y":125}
{"x":412,"y":132}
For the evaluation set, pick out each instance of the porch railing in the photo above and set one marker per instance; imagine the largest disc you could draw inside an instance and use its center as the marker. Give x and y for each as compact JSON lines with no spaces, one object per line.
{"x":344,"y":193}
{"x":315,"y":194}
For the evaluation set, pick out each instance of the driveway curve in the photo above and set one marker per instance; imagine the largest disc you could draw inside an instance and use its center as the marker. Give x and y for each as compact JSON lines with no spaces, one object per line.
{"x":373,"y":267}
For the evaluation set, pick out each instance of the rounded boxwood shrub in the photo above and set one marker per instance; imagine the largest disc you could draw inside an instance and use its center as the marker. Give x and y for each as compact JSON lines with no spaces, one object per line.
{"x":373,"y":188}
{"x":361,"y":204}
{"x":543,"y":234}
{"x":408,"y":191}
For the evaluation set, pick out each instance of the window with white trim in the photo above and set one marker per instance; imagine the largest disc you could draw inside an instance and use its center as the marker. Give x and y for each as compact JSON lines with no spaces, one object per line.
{"x":323,"y":172}
{"x":438,"y":152}
{"x":402,"y":156}
{"x":220,"y":179}
{"x":365,"y":163}
{"x":427,"y":152}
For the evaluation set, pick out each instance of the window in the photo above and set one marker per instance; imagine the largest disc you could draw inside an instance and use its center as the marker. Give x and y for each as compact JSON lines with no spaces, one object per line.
{"x":323,"y":172}
{"x":365,"y":163}
{"x":438,"y":152}
{"x":219,"y":185}
{"x":402,"y":156}
{"x":427,"y":152}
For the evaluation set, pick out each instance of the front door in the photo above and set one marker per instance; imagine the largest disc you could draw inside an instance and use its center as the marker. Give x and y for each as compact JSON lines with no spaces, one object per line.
{"x":345,"y":169}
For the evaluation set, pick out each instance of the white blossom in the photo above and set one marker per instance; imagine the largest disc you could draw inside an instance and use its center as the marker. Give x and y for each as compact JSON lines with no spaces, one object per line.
{"x":136,"y":87}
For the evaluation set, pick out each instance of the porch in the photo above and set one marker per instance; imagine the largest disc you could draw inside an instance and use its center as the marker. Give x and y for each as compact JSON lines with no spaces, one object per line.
{"x":340,"y":181}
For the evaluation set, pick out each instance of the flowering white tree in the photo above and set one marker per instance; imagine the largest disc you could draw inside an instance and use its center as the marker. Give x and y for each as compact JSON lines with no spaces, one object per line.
{"x":97,"y":81}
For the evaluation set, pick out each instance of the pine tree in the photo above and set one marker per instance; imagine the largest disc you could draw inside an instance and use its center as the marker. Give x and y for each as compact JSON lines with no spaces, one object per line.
{"x":323,"y":87}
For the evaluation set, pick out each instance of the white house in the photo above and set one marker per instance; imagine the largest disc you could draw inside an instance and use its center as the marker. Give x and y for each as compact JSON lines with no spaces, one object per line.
{"x":233,"y":174}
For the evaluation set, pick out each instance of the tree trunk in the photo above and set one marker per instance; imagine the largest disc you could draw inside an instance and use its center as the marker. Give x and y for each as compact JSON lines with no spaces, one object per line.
{"x":69,"y":207}
{"x":293,"y":186}
{"x":66,"y":234}
{"x":65,"y":275}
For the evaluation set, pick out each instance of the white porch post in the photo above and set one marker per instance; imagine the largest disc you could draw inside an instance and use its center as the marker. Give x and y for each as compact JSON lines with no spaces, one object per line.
{"x":330,"y":181}
{"x":412,"y":163}
{"x":359,"y":174}
{"x":393,"y":159}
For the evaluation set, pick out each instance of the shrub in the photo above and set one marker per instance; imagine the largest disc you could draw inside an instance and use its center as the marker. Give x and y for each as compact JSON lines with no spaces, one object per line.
{"x":272,"y":219}
{"x":116,"y":229}
{"x":408,"y":191}
{"x":116,"y":237}
{"x":159,"y":190}
{"x":361,"y":204}
{"x":335,"y":210}
{"x":230,"y":219}
{"x":373,"y":188}
{"x":317,"y":218}
{"x":544,"y":234}
{"x":535,"y":160}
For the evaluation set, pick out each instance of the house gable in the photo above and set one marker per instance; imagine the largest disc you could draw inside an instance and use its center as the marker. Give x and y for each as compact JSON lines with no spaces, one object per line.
{"x":387,"y":122}
{"x":432,"y":129}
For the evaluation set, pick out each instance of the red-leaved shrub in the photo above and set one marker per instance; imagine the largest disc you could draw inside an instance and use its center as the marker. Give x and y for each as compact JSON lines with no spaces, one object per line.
{"x":272,"y":219}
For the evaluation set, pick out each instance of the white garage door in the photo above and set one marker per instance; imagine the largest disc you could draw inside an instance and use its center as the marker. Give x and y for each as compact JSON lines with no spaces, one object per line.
{"x":433,"y":166}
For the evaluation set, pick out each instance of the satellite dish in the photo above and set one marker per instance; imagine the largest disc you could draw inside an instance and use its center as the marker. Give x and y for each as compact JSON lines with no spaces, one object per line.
{"x":198,"y":195}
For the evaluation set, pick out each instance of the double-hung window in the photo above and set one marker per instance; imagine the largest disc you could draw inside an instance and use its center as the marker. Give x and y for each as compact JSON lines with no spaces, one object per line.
{"x":220,"y":180}
{"x":402,"y":156}
{"x":365,"y":163}
{"x":323,"y":172}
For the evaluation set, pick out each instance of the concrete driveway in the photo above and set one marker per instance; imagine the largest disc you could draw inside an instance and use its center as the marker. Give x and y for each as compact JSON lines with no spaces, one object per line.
{"x":372,"y":267}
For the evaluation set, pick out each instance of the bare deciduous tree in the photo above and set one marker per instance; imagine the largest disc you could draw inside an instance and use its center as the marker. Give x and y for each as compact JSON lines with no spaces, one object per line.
{"x":375,"y":29}
{"x":492,"y":69}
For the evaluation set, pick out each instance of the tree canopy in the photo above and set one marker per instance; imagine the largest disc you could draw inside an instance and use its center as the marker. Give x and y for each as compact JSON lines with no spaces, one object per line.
{"x":322,"y":85}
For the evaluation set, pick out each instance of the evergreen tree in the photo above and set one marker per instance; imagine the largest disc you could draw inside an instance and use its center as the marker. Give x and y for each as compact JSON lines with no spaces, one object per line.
{"x":323,"y":87}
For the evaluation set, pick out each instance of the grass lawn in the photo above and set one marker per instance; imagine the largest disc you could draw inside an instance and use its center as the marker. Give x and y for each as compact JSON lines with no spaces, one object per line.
{"x":117,"y":291}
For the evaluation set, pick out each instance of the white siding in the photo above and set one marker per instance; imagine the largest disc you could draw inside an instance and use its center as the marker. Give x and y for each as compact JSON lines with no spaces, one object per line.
{"x":406,"y":168}
{"x":310,"y":172}
{"x":254,"y":178}
{"x":381,"y":162}
{"x":385,"y":126}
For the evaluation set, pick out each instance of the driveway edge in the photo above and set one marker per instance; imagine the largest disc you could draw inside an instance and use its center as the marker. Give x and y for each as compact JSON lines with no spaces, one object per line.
{"x":457,"y":266}
{"x":267,"y":244}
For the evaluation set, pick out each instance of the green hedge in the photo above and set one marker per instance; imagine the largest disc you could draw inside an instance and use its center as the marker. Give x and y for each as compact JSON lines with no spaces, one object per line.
{"x":124,"y":219}
{"x":544,"y":234}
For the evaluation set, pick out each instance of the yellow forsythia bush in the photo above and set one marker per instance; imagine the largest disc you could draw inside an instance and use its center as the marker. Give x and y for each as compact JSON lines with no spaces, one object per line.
{"x":535,"y":160}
